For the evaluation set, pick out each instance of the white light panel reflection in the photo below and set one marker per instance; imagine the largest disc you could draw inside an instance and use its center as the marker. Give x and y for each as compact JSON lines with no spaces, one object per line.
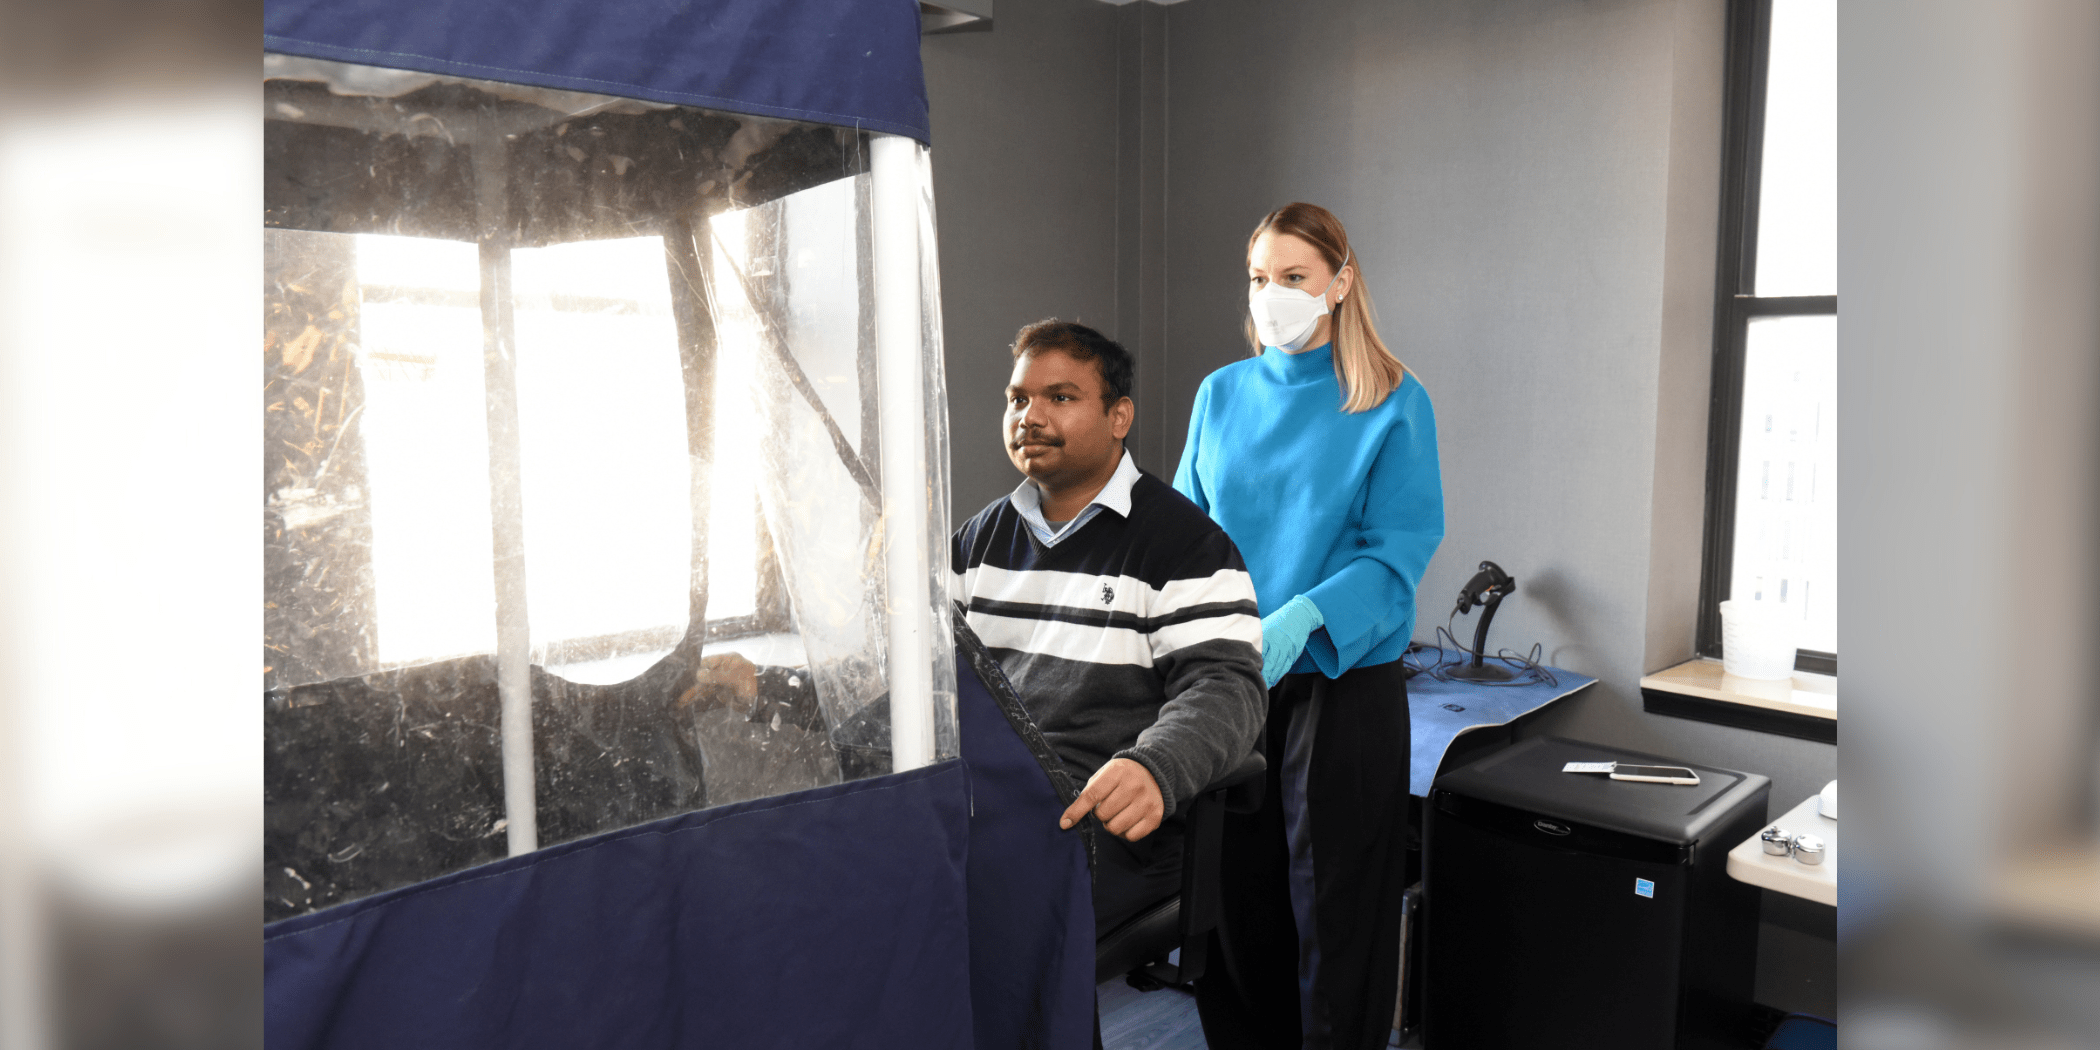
{"x":1797,"y":188}
{"x":425,"y":430}
{"x":732,"y":524}
{"x":1786,"y":474}
{"x":602,"y":429}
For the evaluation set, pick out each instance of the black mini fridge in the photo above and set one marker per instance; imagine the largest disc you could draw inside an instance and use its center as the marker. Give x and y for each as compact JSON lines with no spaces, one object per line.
{"x":1573,"y":911}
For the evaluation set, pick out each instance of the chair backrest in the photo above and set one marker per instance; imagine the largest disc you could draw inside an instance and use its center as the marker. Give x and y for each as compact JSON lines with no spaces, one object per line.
{"x":1140,"y":947}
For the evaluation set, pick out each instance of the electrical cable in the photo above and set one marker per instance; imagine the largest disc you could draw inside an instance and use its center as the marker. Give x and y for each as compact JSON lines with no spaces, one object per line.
{"x":1527,"y":667}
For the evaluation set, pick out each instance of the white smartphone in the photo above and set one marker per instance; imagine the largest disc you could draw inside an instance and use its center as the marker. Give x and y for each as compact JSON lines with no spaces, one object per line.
{"x":1654,"y":774}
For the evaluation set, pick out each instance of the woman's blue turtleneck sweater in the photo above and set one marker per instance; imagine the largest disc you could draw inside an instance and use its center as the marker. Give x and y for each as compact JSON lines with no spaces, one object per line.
{"x":1343,"y":508}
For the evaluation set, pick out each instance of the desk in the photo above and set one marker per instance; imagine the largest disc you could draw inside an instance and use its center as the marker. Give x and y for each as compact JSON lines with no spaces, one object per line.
{"x":1748,"y":861}
{"x":1439,"y":711}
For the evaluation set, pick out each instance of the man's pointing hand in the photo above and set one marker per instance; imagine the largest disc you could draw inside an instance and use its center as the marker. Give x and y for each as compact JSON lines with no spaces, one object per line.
{"x":1123,"y":795}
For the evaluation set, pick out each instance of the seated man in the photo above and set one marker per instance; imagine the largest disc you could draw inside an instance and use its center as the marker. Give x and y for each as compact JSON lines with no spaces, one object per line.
{"x":1121,"y":613}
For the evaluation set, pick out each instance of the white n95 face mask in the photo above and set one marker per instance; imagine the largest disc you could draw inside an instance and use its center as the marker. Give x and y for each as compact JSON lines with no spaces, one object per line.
{"x":1286,"y":318}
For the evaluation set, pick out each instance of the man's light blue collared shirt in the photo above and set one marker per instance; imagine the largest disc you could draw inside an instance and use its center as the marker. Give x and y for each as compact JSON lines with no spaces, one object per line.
{"x":1115,"y":496}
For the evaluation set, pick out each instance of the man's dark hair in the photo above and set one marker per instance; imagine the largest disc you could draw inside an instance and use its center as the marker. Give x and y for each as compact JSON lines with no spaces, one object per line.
{"x":1118,"y":369}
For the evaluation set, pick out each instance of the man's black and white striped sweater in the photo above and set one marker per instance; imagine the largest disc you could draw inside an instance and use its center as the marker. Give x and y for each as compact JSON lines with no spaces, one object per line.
{"x":1133,"y":638}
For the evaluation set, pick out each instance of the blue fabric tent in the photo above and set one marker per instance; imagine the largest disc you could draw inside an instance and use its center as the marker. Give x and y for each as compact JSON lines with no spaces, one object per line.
{"x":832,"y":917}
{"x":940,"y":907}
{"x":936,"y":907}
{"x":850,"y":63}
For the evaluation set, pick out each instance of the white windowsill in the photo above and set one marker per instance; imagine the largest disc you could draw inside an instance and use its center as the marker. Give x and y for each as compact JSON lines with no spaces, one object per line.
{"x":1813,"y":695}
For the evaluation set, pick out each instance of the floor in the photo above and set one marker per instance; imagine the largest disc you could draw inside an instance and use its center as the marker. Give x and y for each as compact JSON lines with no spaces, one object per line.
{"x":1160,"y":1020}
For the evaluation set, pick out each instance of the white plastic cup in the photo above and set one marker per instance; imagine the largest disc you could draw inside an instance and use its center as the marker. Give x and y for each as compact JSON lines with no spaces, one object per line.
{"x":1758,"y":640}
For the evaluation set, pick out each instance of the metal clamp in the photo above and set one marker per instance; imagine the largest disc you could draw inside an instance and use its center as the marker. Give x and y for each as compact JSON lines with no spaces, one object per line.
{"x":1808,"y":849}
{"x":1778,"y":841}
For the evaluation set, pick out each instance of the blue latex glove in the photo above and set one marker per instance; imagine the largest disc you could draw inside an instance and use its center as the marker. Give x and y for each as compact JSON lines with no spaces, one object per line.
{"x":1283,"y":635}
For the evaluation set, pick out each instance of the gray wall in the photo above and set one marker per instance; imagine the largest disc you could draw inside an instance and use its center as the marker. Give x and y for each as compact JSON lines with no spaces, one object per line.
{"x":1025,"y":149}
{"x":1532,"y":187}
{"x":1049,"y":171}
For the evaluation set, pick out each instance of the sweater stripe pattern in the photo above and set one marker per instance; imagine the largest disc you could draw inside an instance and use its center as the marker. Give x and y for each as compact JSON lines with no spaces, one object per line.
{"x":1134,"y":638}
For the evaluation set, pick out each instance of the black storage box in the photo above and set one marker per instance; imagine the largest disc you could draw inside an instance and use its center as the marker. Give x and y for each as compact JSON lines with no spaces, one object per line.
{"x":1571,"y":910}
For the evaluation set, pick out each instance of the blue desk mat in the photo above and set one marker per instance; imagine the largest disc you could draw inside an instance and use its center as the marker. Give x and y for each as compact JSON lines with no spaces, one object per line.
{"x":1439,"y":711}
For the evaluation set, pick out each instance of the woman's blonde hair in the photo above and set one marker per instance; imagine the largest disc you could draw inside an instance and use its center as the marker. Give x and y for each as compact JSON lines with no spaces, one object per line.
{"x":1367,"y":371}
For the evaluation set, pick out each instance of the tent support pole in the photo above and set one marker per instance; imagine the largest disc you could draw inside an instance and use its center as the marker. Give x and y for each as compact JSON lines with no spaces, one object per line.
{"x":901,"y":386}
{"x":499,"y":362}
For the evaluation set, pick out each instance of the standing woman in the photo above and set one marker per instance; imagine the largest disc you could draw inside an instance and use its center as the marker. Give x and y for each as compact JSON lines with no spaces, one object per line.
{"x":1318,"y":456}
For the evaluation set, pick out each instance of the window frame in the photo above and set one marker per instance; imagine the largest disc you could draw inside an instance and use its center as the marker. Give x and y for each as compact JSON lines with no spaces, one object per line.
{"x":1749,"y":46}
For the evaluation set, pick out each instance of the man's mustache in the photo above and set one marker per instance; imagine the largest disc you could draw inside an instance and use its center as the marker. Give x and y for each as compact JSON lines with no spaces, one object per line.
{"x":1033,"y":438}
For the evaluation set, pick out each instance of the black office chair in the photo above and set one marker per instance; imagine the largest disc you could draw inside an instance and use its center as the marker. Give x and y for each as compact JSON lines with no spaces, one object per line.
{"x":1139,"y":948}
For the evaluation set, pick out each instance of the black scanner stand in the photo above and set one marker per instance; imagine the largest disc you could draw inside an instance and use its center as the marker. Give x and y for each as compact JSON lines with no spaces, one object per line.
{"x":1486,"y":589}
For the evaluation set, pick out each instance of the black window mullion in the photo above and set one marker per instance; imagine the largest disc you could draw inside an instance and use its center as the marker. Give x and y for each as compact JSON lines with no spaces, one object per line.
{"x":1788,"y":305}
{"x":1724,"y":441}
{"x":1735,"y":305}
{"x":1815,"y":661}
{"x":1742,"y":151}
{"x":1749,"y":63}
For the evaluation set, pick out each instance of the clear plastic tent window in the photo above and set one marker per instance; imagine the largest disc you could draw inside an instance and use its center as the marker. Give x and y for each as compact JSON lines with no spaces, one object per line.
{"x":604,"y":471}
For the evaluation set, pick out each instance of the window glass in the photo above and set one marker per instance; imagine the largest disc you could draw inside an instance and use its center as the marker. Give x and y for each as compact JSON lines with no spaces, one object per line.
{"x":426,"y":446}
{"x":1786,"y":476}
{"x":732,"y":529}
{"x":1797,"y":188}
{"x":669,"y":402}
{"x":606,"y":475}
{"x":790,"y":333}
